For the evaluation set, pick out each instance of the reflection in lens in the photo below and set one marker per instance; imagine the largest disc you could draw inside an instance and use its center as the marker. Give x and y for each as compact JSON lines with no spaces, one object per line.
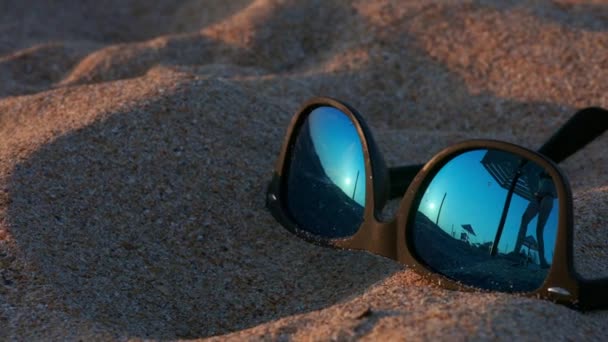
{"x":486,"y":198}
{"x":326,"y":176}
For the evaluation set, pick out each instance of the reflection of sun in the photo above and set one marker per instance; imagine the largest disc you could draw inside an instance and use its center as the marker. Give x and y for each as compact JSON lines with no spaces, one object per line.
{"x":347,"y":181}
{"x":431,"y":205}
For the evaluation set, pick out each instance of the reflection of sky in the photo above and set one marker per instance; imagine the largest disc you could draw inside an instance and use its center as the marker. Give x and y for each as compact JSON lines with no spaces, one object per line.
{"x":475,"y":198}
{"x":339,"y":148}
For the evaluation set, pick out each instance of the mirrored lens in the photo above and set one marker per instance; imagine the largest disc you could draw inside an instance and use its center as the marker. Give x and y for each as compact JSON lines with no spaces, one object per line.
{"x":326,"y":176}
{"x":489,"y":219}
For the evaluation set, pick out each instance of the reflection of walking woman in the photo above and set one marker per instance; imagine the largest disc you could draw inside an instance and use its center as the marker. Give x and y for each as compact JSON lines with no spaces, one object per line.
{"x":541,"y":205}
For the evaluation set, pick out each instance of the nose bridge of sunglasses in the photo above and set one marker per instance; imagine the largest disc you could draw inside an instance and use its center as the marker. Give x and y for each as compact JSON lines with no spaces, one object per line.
{"x":375,"y":237}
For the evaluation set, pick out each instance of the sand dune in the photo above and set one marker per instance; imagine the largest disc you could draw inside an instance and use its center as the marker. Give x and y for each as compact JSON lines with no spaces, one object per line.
{"x":137,"y":140}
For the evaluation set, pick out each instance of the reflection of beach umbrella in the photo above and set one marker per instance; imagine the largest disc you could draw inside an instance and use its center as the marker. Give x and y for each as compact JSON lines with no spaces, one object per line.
{"x":530,"y":242}
{"x":511,"y":173}
{"x":502,"y":166}
{"x":469,"y":229}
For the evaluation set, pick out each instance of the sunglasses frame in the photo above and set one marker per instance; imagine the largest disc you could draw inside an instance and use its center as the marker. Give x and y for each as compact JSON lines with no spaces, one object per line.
{"x":393,"y":240}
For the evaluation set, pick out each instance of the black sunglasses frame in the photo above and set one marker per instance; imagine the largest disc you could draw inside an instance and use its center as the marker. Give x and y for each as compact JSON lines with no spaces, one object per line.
{"x":393,"y":239}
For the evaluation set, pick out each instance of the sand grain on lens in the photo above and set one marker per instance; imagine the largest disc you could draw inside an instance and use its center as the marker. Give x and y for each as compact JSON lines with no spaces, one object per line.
{"x":136,"y":141}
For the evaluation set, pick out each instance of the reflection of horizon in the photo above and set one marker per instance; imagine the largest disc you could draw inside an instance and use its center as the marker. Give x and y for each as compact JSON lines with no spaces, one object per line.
{"x":339,"y":150}
{"x":472,"y":263}
{"x":311,"y":165}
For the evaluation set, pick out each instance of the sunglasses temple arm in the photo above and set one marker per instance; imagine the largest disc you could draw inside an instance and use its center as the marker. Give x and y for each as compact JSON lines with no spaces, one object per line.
{"x":401,"y":177}
{"x":593,"y":293}
{"x":586,"y":125}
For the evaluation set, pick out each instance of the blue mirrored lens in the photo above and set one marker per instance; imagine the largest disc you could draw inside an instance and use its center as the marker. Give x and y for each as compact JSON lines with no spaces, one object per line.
{"x":326,"y":176}
{"x":486,"y":199}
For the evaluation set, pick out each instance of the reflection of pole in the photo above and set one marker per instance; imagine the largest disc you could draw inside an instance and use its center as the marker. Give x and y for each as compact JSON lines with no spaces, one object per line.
{"x":441,"y":206}
{"x":505,"y":210}
{"x":453,"y":230}
{"x":356,"y":180}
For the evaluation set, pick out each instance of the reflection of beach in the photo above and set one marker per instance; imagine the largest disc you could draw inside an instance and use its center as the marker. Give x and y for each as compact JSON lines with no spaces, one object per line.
{"x":315,"y":201}
{"x":471,"y":263}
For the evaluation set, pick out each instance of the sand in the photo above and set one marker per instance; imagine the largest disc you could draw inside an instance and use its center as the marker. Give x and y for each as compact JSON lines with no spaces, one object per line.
{"x":137,"y":139}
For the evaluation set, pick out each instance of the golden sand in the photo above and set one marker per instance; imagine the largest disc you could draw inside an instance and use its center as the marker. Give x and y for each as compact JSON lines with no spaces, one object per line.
{"x":137,"y":139}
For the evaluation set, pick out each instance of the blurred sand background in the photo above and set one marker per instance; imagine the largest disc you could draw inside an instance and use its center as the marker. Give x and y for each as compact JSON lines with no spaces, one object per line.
{"x":137,"y":138}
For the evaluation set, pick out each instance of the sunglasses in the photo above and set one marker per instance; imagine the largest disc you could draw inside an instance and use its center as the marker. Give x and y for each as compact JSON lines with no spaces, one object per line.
{"x":480,"y":215}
